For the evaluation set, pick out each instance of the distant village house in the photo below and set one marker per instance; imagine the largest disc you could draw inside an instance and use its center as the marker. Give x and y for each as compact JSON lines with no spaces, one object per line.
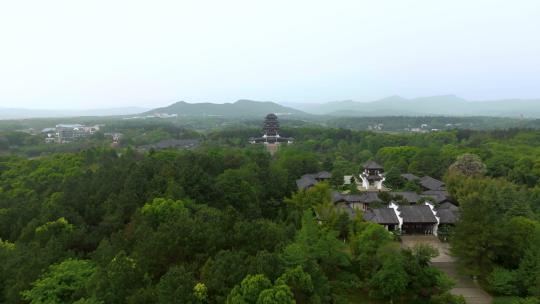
{"x":65,"y":133}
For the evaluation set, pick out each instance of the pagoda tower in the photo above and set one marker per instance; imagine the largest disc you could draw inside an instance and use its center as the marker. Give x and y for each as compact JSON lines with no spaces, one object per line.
{"x":270,"y":136}
{"x":271,"y":126}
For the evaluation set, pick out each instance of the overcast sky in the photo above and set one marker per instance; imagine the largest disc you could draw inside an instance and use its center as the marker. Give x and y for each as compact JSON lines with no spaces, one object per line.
{"x":95,"y":54}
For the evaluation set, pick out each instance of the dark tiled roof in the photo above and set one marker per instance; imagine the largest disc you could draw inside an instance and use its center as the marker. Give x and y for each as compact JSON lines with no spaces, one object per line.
{"x":324,"y":175}
{"x":366,"y":197}
{"x":436,"y":192}
{"x":411,"y":197}
{"x":449,"y":206}
{"x":438,"y":195}
{"x":372,"y":165}
{"x":447,"y":216}
{"x":374,"y":177}
{"x":410,"y":177}
{"x":337,"y":197}
{"x":349,"y":198}
{"x":306,"y":181}
{"x":417,"y":214}
{"x":309,"y":180}
{"x":385,"y":216}
{"x":353,"y":198}
{"x":369,"y":197}
{"x":430,"y":183}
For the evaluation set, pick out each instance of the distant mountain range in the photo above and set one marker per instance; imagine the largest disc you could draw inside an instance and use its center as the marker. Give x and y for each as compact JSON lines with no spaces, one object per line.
{"x":445,"y":105}
{"x":16,"y":113}
{"x":240,"y":108}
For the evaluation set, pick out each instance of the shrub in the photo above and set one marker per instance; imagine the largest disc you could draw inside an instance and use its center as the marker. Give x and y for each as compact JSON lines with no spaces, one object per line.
{"x":503,"y":282}
{"x":447,"y":298}
{"x":516,"y":300}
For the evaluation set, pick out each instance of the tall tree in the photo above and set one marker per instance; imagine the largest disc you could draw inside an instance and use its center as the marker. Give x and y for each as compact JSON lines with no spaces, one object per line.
{"x":468,"y":165}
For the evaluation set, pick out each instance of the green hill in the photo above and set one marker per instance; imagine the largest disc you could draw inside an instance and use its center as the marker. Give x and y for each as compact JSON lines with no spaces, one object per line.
{"x":240,"y":108}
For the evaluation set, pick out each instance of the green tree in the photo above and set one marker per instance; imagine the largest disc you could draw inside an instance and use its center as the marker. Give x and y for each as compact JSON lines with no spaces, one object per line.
{"x":62,"y":283}
{"x":468,"y":165}
{"x":393,"y":178}
{"x":222,"y":272}
{"x":162,"y":210}
{"x":423,"y":253}
{"x":529,"y":268}
{"x":307,"y":199}
{"x":390,"y":281}
{"x":280,"y":294}
{"x":327,"y":213}
{"x":516,"y":234}
{"x":240,"y":188}
{"x":503,"y":281}
{"x":200,"y":292}
{"x":479,"y":236}
{"x":366,"y":244}
{"x":320,"y":253}
{"x":299,"y":282}
{"x":430,"y":162}
{"x":176,"y":286}
{"x":248,"y":291}
{"x":397,"y":157}
{"x":115,"y":281}
{"x":522,"y":172}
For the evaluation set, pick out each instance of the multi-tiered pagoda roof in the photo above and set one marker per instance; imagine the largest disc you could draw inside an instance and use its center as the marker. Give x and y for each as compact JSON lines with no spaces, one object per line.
{"x":270,"y":132}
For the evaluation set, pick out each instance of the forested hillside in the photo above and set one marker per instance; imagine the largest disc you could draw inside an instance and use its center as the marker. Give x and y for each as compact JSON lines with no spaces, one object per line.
{"x":224,"y":223}
{"x":240,"y":108}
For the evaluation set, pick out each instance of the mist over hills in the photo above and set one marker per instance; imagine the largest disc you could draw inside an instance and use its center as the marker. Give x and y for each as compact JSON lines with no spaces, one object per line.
{"x":240,"y":108}
{"x":446,"y":105}
{"x":443,"y":105}
{"x":19,"y":113}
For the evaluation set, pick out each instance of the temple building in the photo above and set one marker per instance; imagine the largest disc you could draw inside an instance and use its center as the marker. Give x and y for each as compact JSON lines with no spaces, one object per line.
{"x":372,"y":177}
{"x":417,"y":219}
{"x":424,"y":218}
{"x":271,"y":138}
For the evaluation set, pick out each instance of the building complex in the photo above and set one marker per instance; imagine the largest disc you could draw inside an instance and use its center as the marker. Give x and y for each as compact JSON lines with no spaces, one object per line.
{"x":65,"y":133}
{"x":407,"y":212}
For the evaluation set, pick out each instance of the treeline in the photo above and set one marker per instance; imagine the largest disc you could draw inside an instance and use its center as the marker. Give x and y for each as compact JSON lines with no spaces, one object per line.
{"x":513,"y":154}
{"x":24,"y":137}
{"x":401,"y":123}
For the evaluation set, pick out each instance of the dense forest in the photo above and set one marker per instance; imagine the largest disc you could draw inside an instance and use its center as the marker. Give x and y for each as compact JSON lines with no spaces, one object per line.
{"x":224,"y":223}
{"x":19,"y":136}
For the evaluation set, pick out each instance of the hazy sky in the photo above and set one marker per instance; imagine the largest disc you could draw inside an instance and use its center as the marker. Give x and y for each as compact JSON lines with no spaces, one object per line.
{"x":93,"y":53}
